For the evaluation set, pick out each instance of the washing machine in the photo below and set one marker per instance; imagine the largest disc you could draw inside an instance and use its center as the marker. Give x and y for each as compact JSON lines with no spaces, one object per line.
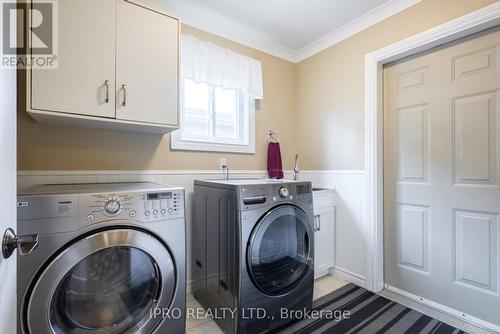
{"x":253,"y":247}
{"x":110,"y":259}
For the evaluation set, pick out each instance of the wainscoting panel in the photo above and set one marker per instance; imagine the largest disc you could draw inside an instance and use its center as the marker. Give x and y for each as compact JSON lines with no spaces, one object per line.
{"x":350,"y":235}
{"x":351,"y":231}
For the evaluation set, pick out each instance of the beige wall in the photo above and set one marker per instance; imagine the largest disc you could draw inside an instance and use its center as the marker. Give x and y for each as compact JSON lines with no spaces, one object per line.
{"x":316,"y":107}
{"x":43,"y":147}
{"x":330,"y":117}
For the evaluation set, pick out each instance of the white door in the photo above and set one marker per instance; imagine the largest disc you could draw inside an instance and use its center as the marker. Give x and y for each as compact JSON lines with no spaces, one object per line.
{"x":147,"y":57}
{"x":7,"y":196}
{"x":442,"y":175}
{"x":84,"y":81}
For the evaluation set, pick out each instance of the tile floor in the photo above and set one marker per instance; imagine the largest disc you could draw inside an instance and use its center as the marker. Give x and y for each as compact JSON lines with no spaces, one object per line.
{"x":204,"y":325}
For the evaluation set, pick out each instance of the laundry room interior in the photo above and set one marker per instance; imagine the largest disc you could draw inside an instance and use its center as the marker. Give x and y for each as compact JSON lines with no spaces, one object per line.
{"x":216,"y":166}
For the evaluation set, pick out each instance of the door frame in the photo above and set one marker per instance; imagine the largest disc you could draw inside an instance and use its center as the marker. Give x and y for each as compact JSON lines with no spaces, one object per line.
{"x":482,"y":19}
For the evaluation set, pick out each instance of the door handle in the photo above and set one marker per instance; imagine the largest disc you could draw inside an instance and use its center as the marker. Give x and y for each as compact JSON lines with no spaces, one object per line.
{"x":124,"y":88}
{"x":106,"y":92}
{"x":25,"y":244}
{"x":254,"y":200}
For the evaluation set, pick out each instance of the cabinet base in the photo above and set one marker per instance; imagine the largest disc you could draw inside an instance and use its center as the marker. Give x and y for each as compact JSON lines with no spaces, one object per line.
{"x":82,"y":121}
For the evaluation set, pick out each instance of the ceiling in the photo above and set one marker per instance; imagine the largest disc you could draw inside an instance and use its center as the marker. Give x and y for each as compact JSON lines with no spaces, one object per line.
{"x":290,"y":29}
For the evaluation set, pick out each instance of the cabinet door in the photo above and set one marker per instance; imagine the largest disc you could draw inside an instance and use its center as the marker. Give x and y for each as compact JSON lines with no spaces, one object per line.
{"x":86,"y":71}
{"x":147,"y":65}
{"x":324,"y":226}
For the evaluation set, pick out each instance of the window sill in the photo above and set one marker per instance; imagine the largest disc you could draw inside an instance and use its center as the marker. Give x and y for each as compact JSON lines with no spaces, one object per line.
{"x":211,"y":147}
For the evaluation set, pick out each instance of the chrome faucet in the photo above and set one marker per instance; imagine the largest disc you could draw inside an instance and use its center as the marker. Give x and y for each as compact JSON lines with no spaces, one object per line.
{"x":226,"y":169}
{"x":296,"y":169}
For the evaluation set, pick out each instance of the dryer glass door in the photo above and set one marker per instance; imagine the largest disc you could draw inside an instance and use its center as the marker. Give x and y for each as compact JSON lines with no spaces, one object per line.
{"x":106,"y":283}
{"x":112,"y":289}
{"x":279,"y":253}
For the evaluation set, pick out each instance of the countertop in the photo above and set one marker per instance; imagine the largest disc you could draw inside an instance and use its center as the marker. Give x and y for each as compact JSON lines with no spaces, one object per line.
{"x":322,"y":190}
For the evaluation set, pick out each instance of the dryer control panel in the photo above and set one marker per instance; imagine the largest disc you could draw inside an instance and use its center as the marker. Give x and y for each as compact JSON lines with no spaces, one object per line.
{"x":168,"y":203}
{"x":141,"y":206}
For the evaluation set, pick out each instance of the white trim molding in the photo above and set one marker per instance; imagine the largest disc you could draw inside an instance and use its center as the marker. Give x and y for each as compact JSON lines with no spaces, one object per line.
{"x":177,"y":172}
{"x":325,"y":171}
{"x":482,"y":19}
{"x":210,"y":21}
{"x":349,"y":276}
{"x":440,"y":312}
{"x":137,"y":172}
{"x":205,"y":19}
{"x":357,"y":25}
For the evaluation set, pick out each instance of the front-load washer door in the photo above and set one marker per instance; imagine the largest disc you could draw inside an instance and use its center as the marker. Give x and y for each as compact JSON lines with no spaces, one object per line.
{"x":107,"y":282}
{"x":279,"y":253}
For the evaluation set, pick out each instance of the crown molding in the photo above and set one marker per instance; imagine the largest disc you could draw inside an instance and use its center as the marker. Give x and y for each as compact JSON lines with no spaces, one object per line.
{"x":359,"y":24}
{"x":210,"y":21}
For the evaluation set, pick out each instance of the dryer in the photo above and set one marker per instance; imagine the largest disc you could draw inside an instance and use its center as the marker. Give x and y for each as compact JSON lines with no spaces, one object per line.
{"x":253,"y":247}
{"x":110,"y":259}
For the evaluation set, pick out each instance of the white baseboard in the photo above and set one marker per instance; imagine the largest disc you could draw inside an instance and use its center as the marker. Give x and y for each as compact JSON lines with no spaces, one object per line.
{"x":346,"y":275}
{"x":440,"y":312}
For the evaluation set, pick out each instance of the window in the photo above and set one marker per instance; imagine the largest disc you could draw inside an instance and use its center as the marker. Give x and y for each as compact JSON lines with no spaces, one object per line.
{"x":215,"y":119}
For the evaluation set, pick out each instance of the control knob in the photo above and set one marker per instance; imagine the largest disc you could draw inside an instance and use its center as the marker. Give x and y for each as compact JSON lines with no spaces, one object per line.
{"x":112,"y":207}
{"x":284,"y":192}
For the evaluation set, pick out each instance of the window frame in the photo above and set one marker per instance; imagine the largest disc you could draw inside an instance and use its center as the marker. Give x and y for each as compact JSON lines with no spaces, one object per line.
{"x":178,"y":143}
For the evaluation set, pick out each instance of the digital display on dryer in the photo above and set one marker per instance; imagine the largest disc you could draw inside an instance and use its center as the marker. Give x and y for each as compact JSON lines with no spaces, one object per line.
{"x":160,"y":196}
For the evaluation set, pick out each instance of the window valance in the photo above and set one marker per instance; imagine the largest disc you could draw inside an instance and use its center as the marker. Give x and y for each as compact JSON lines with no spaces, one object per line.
{"x":208,"y":63}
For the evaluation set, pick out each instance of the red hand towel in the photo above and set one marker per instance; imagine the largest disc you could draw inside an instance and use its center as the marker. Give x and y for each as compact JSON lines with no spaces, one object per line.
{"x":274,"y":166}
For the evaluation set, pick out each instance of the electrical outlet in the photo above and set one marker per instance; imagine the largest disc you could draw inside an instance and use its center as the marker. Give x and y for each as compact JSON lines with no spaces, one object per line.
{"x":222,"y":163}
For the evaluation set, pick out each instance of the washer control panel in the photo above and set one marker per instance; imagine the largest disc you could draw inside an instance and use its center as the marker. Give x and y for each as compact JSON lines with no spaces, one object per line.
{"x":141,"y":206}
{"x":260,"y":195}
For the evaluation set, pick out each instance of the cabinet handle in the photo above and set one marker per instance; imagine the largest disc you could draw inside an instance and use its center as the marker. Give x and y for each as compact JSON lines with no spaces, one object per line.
{"x":106,"y":87}
{"x":316,"y":223}
{"x":319,"y":222}
{"x":124,"y":103}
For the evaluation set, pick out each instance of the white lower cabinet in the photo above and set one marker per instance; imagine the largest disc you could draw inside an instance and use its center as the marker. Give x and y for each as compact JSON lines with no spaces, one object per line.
{"x":324,"y":234}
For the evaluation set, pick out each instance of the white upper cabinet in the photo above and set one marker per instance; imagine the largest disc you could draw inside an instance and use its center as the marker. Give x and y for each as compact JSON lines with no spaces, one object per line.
{"x":146,"y":65}
{"x":86,"y":66}
{"x":118,"y":68}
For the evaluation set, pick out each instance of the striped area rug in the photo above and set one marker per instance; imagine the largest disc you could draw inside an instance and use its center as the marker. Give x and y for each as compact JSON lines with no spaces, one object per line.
{"x":369,"y":314}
